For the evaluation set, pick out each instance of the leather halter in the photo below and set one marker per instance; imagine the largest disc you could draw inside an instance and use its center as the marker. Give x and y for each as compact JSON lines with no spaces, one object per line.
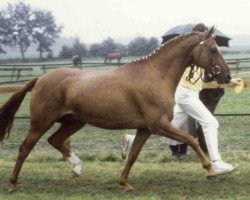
{"x":216,"y":70}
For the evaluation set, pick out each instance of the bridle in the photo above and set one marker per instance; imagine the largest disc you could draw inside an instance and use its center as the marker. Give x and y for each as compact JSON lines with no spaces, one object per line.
{"x":216,"y":70}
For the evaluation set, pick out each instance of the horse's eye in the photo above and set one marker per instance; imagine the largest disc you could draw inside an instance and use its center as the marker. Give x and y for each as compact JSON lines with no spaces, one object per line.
{"x":213,"y":50}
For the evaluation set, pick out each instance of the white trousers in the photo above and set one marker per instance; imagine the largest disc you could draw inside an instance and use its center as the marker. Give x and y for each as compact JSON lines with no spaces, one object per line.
{"x":189,"y":104}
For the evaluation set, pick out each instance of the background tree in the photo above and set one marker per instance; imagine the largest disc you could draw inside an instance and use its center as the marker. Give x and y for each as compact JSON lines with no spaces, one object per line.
{"x":137,"y":46}
{"x":142,"y":46}
{"x":28,"y":25}
{"x":21,"y":18}
{"x":5,"y":39}
{"x":45,"y":31}
{"x":95,"y":50}
{"x":108,"y":46}
{"x":66,"y":52}
{"x":153,"y":43}
{"x":79,"y":48}
{"x":121,"y":49}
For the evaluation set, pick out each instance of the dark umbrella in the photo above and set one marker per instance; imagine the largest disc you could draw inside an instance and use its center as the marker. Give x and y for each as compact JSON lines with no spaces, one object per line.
{"x":221,"y":39}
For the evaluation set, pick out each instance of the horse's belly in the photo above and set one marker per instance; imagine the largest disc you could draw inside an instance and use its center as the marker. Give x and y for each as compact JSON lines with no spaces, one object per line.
{"x":116,"y":124}
{"x":117,"y":118}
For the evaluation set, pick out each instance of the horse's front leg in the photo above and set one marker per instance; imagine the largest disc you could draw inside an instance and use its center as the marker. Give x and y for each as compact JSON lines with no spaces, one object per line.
{"x":140,"y":139}
{"x":168,"y":130}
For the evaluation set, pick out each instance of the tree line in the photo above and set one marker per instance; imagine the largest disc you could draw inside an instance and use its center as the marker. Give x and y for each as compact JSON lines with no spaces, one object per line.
{"x":22,"y":26}
{"x":137,"y":47}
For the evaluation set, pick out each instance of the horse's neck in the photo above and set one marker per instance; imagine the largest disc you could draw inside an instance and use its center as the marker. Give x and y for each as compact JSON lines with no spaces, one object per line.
{"x":172,"y":61}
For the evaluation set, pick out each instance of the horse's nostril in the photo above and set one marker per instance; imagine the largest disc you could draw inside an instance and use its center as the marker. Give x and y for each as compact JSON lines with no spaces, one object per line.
{"x":228,"y":78}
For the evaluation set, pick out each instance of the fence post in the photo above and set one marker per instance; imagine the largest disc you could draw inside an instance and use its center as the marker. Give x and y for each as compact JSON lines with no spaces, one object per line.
{"x":237,"y":66}
{"x":13,"y":72}
{"x":44,"y":69}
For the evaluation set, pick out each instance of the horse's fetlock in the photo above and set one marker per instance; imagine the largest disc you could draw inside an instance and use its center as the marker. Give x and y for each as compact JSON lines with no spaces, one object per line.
{"x":122,"y":181}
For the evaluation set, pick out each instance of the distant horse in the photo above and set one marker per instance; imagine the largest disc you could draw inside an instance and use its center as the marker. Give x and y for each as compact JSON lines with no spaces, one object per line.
{"x":112,"y":56}
{"x":138,"y":95}
{"x":77,"y":60}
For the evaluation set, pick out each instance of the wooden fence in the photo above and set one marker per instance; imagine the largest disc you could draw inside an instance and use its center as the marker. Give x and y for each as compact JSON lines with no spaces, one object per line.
{"x":16,"y":73}
{"x":17,"y":70}
{"x":20,"y":70}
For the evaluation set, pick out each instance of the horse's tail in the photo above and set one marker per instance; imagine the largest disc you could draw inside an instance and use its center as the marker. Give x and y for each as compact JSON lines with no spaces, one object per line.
{"x":9,"y":109}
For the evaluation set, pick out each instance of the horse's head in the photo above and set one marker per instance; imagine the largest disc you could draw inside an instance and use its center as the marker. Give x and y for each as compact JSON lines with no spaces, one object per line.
{"x":207,"y":55}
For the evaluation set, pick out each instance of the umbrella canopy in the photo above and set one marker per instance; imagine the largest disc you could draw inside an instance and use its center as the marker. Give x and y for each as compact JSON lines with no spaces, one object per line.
{"x":221,"y":39}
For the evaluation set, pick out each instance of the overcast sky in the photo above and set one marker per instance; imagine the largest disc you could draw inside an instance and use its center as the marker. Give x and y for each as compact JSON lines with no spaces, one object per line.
{"x":95,"y":20}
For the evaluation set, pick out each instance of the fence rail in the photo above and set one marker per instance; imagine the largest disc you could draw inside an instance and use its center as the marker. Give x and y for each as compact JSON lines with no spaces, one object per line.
{"x":20,"y":70}
{"x":235,"y":64}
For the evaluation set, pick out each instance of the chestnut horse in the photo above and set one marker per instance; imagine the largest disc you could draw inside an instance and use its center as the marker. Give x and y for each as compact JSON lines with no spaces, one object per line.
{"x":138,"y":95}
{"x":112,"y":56}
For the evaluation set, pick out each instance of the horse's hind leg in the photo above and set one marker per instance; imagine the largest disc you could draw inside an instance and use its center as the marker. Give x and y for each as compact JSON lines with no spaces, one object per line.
{"x":35,"y":132}
{"x":140,"y":139}
{"x":67,"y":128}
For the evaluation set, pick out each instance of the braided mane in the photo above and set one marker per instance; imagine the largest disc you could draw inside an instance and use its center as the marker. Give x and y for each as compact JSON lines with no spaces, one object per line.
{"x":165,"y":46}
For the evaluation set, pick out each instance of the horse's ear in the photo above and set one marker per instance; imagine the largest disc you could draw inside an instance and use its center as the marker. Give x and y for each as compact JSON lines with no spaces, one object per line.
{"x":210,"y":32}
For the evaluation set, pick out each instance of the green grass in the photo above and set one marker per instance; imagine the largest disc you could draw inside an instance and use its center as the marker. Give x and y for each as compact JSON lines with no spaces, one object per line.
{"x":156,"y":175}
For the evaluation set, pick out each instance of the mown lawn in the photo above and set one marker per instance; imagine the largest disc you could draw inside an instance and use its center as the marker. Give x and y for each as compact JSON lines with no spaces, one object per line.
{"x":156,"y":175}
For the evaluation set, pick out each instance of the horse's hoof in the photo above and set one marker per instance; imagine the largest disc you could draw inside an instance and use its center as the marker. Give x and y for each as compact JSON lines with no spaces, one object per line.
{"x":76,"y":176}
{"x":127,"y":187}
{"x":129,"y":190}
{"x":213,"y":178}
{"x":11,"y":189}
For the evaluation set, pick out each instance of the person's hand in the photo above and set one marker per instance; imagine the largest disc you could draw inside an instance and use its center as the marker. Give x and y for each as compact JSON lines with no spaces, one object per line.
{"x":236,"y":81}
{"x":238,"y":84}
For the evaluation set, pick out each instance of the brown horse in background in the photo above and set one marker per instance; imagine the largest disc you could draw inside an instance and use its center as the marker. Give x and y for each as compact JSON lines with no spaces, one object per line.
{"x":143,"y":90}
{"x":112,"y":56}
{"x":77,"y":61}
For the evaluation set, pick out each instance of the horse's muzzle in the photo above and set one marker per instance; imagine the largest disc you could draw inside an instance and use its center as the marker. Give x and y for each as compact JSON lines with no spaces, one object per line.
{"x":228,"y":79}
{"x":223,"y":79}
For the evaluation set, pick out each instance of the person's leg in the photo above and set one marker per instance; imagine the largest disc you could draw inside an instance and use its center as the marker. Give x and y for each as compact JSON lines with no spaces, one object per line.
{"x":196,"y":109}
{"x":210,"y":98}
{"x":179,"y":121}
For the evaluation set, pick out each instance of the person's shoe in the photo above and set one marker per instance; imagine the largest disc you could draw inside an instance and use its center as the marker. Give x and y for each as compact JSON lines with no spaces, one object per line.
{"x":126,"y":144}
{"x":221,"y":167}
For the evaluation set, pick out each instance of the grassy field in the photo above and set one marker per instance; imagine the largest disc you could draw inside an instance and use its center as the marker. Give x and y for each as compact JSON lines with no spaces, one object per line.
{"x":155,"y":175}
